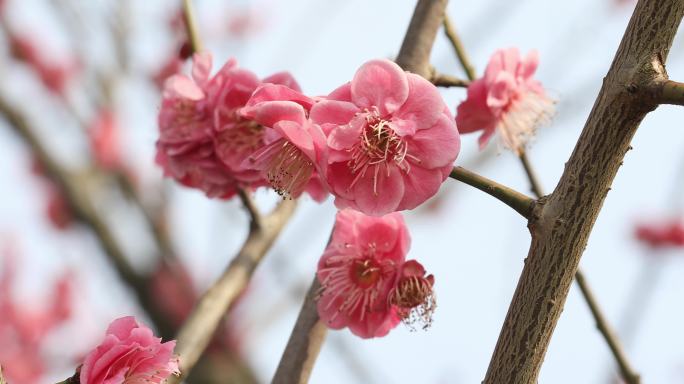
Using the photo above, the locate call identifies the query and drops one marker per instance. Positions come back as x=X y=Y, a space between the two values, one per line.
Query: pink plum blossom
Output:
x=359 y=269
x=25 y=325
x=392 y=139
x=507 y=99
x=661 y=234
x=294 y=155
x=129 y=354
x=185 y=148
x=105 y=140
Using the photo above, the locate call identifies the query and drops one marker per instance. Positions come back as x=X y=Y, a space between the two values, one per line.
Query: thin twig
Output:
x=628 y=374
x=522 y=204
x=455 y=40
x=304 y=344
x=254 y=214
x=442 y=80
x=535 y=185
x=191 y=26
x=199 y=328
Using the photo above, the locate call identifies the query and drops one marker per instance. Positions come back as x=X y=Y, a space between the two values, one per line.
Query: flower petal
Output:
x=382 y=84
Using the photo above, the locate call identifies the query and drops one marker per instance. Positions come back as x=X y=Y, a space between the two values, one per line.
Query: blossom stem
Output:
x=522 y=204
x=304 y=344
x=442 y=80
x=191 y=26
x=535 y=185
x=2 y=378
x=456 y=43
x=199 y=328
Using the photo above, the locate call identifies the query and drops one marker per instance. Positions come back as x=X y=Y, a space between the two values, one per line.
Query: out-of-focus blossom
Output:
x=54 y=75
x=359 y=269
x=185 y=148
x=244 y=23
x=661 y=234
x=130 y=353
x=173 y=288
x=25 y=325
x=293 y=157
x=105 y=140
x=392 y=139
x=507 y=99
x=57 y=210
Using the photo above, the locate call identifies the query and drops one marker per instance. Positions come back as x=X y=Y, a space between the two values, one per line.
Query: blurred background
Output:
x=79 y=93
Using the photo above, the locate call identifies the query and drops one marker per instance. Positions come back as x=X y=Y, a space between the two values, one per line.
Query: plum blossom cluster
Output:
x=383 y=142
x=366 y=282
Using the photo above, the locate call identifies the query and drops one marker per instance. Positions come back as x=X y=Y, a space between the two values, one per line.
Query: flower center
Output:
x=415 y=300
x=356 y=281
x=378 y=145
x=365 y=273
x=245 y=137
x=288 y=169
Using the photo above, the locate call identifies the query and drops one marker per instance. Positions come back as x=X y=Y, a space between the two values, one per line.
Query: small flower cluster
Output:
x=383 y=142
x=366 y=282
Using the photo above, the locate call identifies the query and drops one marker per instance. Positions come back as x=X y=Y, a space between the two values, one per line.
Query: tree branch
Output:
x=520 y=203
x=304 y=344
x=442 y=80
x=256 y=221
x=455 y=40
x=628 y=373
x=196 y=333
x=668 y=92
x=626 y=370
x=563 y=221
x=414 y=55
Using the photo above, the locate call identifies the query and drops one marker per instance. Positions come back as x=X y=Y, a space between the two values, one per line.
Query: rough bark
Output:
x=563 y=221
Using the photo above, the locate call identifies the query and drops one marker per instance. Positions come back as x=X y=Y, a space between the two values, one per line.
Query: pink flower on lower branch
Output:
x=392 y=139
x=507 y=99
x=129 y=354
x=366 y=284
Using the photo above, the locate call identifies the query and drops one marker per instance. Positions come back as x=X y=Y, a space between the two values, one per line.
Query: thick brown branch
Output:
x=196 y=333
x=563 y=221
x=304 y=344
x=514 y=199
x=628 y=373
x=414 y=55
